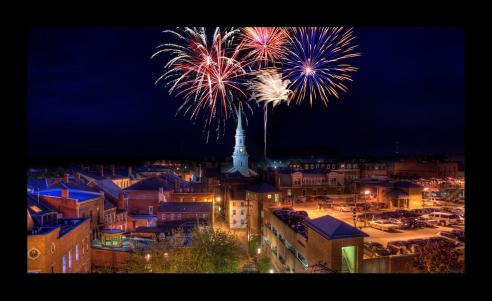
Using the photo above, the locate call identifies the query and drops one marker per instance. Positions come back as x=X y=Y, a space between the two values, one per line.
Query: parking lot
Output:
x=375 y=235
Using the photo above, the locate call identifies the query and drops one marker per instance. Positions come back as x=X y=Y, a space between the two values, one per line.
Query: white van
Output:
x=443 y=218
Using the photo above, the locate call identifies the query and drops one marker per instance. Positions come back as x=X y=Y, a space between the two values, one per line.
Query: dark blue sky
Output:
x=91 y=92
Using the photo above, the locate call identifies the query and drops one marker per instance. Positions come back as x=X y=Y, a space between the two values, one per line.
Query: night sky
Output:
x=91 y=92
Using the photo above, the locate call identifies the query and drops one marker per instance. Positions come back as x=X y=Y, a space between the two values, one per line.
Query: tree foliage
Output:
x=208 y=251
x=438 y=257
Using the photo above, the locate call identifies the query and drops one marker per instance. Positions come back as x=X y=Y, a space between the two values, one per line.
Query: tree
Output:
x=207 y=251
x=264 y=264
x=438 y=257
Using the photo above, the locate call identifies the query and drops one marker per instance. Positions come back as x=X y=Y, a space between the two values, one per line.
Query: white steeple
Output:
x=240 y=155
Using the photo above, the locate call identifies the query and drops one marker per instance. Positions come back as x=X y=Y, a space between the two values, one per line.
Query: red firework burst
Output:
x=264 y=44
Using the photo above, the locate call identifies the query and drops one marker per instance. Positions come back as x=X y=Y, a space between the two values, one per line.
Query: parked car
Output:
x=383 y=225
x=443 y=218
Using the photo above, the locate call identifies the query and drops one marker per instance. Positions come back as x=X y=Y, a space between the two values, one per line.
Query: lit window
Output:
x=77 y=252
x=204 y=215
x=269 y=196
x=242 y=222
x=179 y=216
x=242 y=212
x=70 y=259
x=64 y=265
x=234 y=212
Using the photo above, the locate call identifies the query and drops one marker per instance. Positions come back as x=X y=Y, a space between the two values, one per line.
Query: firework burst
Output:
x=264 y=44
x=269 y=88
x=315 y=62
x=206 y=73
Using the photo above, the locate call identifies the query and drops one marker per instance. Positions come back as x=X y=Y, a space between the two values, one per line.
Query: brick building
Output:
x=413 y=168
x=145 y=196
x=56 y=245
x=400 y=194
x=296 y=244
x=258 y=198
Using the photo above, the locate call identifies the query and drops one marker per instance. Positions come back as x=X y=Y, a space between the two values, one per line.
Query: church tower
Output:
x=240 y=155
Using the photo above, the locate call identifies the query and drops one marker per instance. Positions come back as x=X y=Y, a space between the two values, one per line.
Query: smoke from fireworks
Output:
x=315 y=62
x=264 y=44
x=206 y=73
x=269 y=87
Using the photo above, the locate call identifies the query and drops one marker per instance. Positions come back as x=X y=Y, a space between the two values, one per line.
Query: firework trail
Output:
x=264 y=44
x=206 y=72
x=269 y=87
x=315 y=61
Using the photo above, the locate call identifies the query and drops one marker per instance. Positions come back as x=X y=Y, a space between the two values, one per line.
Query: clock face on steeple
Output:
x=241 y=150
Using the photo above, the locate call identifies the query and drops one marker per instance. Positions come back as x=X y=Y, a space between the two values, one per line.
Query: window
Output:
x=179 y=216
x=269 y=196
x=233 y=221
x=204 y=215
x=87 y=245
x=70 y=259
x=242 y=222
x=242 y=204
x=151 y=210
x=242 y=212
x=77 y=252
x=172 y=216
x=233 y=211
x=64 y=264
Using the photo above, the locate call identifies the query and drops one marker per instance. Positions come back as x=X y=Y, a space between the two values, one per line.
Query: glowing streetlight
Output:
x=259 y=250
x=367 y=192
x=218 y=199
x=147 y=257
x=271 y=271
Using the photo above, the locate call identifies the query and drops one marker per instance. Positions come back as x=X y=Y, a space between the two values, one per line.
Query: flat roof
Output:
x=78 y=195
x=333 y=228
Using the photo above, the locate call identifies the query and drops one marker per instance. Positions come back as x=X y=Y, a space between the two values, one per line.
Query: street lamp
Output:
x=259 y=250
x=147 y=257
x=271 y=271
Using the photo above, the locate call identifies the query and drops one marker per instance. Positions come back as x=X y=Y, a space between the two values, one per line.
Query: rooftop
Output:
x=78 y=195
x=109 y=187
x=185 y=207
x=333 y=228
x=262 y=188
x=169 y=182
x=108 y=205
x=66 y=225
x=142 y=216
x=35 y=207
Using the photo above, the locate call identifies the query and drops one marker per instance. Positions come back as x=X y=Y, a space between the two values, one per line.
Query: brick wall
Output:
x=79 y=236
x=109 y=258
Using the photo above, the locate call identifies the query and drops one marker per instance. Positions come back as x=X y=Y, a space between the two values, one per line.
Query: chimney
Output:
x=113 y=170
x=64 y=192
x=121 y=201
x=65 y=178
x=77 y=176
x=129 y=171
x=101 y=170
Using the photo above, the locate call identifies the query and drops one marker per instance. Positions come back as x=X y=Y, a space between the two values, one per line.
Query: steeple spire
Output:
x=239 y=118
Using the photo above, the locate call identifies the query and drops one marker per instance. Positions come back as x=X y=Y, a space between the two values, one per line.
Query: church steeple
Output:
x=240 y=155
